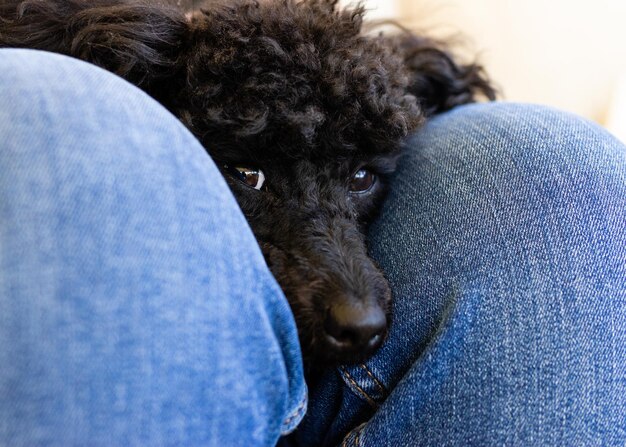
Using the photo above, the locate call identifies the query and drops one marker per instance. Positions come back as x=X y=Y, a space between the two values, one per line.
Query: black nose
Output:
x=355 y=328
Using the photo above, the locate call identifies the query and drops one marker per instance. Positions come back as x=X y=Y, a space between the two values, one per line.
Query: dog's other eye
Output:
x=362 y=181
x=254 y=178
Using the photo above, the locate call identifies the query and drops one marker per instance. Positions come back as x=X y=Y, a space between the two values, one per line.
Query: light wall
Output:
x=567 y=53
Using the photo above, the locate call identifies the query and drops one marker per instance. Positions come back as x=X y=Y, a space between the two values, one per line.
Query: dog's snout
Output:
x=352 y=328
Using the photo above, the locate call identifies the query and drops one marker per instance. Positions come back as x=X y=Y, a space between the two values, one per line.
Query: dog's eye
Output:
x=362 y=181
x=254 y=178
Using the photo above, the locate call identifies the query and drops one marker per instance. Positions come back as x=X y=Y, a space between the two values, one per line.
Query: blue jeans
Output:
x=136 y=308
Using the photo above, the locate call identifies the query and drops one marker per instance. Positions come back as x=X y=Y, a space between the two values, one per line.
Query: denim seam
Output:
x=357 y=439
x=379 y=385
x=297 y=413
x=358 y=389
x=353 y=438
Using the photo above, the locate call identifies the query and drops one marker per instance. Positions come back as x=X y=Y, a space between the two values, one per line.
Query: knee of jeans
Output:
x=25 y=70
x=504 y=145
x=520 y=138
x=50 y=102
x=62 y=89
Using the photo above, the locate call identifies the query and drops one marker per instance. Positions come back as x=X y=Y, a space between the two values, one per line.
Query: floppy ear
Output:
x=437 y=80
x=138 y=40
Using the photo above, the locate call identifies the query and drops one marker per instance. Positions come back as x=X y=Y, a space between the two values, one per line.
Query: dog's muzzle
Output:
x=354 y=329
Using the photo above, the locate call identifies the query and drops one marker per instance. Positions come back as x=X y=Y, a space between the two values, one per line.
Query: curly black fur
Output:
x=294 y=88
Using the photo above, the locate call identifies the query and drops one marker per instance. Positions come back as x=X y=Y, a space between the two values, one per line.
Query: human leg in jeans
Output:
x=504 y=239
x=135 y=305
x=135 y=308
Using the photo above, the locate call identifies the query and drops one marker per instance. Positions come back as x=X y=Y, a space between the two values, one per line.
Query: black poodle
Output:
x=303 y=111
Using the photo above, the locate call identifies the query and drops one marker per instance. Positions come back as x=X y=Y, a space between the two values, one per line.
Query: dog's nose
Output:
x=355 y=327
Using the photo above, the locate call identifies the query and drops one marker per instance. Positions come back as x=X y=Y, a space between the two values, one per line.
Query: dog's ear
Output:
x=138 y=40
x=437 y=80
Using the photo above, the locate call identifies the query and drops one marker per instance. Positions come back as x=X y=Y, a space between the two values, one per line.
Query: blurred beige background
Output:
x=566 y=53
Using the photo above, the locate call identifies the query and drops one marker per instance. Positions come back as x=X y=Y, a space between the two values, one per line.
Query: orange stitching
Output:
x=357 y=440
x=380 y=386
x=297 y=412
x=369 y=400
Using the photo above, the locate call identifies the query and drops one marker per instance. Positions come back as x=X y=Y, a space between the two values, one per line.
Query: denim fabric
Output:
x=136 y=309
x=135 y=305
x=504 y=239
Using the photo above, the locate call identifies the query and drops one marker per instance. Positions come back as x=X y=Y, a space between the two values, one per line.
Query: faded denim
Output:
x=136 y=308
x=135 y=305
x=504 y=239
